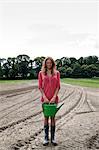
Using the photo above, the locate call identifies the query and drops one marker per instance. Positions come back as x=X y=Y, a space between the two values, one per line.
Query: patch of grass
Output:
x=14 y=81
x=94 y=82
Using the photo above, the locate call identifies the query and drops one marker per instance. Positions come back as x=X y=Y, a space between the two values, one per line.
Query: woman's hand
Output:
x=53 y=99
x=45 y=99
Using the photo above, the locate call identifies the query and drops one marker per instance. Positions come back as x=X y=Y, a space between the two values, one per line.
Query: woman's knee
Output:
x=46 y=120
x=53 y=120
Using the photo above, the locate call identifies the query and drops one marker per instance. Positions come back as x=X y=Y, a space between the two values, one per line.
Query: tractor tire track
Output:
x=17 y=102
x=29 y=117
x=18 y=105
x=6 y=92
x=34 y=136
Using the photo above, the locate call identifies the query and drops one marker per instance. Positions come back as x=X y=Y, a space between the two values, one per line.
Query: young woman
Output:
x=49 y=85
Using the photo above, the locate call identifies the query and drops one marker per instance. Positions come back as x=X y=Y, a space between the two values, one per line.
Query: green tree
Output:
x=69 y=72
x=1 y=68
x=65 y=61
x=90 y=60
x=73 y=60
x=36 y=66
x=76 y=70
x=89 y=70
x=23 y=68
x=58 y=63
x=81 y=61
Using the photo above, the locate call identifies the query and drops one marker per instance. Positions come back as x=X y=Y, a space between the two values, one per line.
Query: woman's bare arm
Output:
x=55 y=94
x=43 y=95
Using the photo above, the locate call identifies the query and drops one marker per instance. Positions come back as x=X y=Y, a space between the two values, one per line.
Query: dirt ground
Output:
x=21 y=118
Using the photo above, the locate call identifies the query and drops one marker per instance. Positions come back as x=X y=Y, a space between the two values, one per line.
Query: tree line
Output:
x=22 y=67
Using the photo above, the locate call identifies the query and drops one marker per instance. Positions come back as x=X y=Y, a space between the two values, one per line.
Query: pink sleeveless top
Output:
x=49 y=84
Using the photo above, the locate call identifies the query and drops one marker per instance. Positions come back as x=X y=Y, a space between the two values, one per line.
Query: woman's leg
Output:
x=46 y=130
x=46 y=120
x=53 y=131
x=53 y=121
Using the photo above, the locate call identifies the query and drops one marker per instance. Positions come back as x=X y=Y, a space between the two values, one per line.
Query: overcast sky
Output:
x=49 y=28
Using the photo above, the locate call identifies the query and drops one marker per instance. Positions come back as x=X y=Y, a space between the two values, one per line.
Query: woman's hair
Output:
x=44 y=67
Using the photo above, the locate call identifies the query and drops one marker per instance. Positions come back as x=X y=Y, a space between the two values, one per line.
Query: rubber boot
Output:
x=46 y=138
x=53 y=136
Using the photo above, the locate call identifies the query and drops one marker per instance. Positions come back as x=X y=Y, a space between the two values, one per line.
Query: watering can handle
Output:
x=51 y=103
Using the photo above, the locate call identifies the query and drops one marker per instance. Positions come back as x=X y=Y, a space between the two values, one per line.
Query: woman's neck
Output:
x=49 y=71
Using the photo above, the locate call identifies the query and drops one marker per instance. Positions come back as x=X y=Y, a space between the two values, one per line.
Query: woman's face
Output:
x=49 y=64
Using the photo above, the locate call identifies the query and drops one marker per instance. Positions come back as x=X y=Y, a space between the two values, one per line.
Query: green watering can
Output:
x=50 y=109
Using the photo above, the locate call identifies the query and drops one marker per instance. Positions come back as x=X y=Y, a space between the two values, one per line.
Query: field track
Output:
x=21 y=118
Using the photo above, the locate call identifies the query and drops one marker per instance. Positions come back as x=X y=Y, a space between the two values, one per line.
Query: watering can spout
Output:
x=59 y=107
